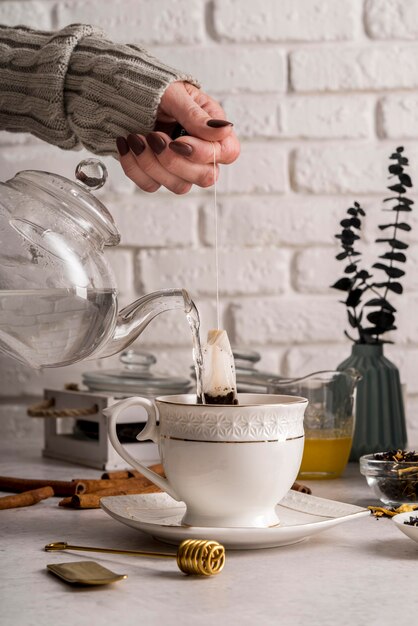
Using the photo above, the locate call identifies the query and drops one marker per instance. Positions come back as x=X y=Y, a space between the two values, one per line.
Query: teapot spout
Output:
x=135 y=317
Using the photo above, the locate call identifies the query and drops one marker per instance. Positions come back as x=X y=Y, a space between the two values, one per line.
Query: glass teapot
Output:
x=58 y=297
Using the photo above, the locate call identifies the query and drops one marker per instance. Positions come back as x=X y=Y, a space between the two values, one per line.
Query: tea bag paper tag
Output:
x=219 y=378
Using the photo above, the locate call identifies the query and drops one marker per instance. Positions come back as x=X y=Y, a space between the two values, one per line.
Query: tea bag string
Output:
x=215 y=210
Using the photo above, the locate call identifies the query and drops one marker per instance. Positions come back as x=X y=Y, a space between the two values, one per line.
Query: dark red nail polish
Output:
x=136 y=144
x=122 y=146
x=184 y=149
x=218 y=123
x=156 y=143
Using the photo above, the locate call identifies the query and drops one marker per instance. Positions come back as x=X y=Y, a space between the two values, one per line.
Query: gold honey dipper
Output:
x=194 y=556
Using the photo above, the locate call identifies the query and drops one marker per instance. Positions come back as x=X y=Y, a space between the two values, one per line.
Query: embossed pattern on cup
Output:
x=227 y=423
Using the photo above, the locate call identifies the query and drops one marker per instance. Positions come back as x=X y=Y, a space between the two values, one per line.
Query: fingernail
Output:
x=122 y=146
x=156 y=142
x=179 y=147
x=136 y=144
x=218 y=123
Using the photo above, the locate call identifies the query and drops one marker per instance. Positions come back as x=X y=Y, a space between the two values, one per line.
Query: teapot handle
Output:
x=151 y=431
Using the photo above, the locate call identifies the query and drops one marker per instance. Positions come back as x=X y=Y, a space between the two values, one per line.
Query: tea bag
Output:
x=219 y=384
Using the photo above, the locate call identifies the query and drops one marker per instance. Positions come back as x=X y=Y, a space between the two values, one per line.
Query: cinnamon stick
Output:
x=121 y=475
x=17 y=485
x=66 y=502
x=90 y=486
x=26 y=498
x=92 y=500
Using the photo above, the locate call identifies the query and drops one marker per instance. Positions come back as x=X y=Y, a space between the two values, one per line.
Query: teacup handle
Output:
x=150 y=431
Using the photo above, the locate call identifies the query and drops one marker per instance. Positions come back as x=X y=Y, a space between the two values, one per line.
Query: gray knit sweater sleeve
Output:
x=75 y=88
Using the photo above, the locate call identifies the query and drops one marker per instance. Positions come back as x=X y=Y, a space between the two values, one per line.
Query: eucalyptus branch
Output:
x=357 y=283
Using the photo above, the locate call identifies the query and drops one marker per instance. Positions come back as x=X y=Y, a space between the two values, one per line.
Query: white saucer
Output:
x=301 y=516
x=409 y=531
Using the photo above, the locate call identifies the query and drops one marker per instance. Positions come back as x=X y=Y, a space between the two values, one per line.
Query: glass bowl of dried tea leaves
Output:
x=408 y=524
x=393 y=476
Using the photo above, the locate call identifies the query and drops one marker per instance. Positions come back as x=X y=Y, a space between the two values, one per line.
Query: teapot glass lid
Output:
x=73 y=198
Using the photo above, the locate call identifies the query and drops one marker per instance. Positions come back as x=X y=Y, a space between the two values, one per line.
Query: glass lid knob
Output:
x=91 y=174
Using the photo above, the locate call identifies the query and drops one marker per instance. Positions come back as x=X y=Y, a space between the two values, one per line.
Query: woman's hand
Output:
x=155 y=160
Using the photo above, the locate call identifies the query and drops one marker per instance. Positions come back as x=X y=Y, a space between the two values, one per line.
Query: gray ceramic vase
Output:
x=380 y=416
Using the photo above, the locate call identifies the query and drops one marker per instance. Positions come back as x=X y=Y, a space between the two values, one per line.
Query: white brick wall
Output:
x=320 y=92
x=181 y=21
x=287 y=20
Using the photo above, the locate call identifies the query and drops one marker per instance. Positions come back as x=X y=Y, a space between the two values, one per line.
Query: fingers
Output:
x=131 y=169
x=200 y=151
x=149 y=164
x=143 y=168
x=197 y=112
x=201 y=174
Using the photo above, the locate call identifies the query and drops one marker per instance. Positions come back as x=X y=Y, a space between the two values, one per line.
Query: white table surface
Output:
x=361 y=572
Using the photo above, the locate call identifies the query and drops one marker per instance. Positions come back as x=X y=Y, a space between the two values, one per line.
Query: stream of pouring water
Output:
x=194 y=323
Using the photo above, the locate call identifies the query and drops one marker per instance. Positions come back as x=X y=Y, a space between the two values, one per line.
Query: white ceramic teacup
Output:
x=230 y=464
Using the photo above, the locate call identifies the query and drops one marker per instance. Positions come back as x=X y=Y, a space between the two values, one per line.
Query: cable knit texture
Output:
x=75 y=88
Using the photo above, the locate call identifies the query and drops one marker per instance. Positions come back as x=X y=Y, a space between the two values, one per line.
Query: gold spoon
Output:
x=194 y=556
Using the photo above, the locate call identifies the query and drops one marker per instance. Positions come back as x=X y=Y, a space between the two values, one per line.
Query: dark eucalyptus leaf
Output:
x=354 y=298
x=399 y=245
x=381 y=266
x=401 y=226
x=392 y=272
x=405 y=180
x=401 y=207
x=395 y=169
x=383 y=319
x=355 y=222
x=363 y=275
x=400 y=149
x=382 y=302
x=343 y=284
x=341 y=256
x=352 y=212
x=346 y=223
x=348 y=237
x=394 y=256
x=395 y=272
x=350 y=268
x=394 y=243
x=398 y=188
x=405 y=201
x=395 y=287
